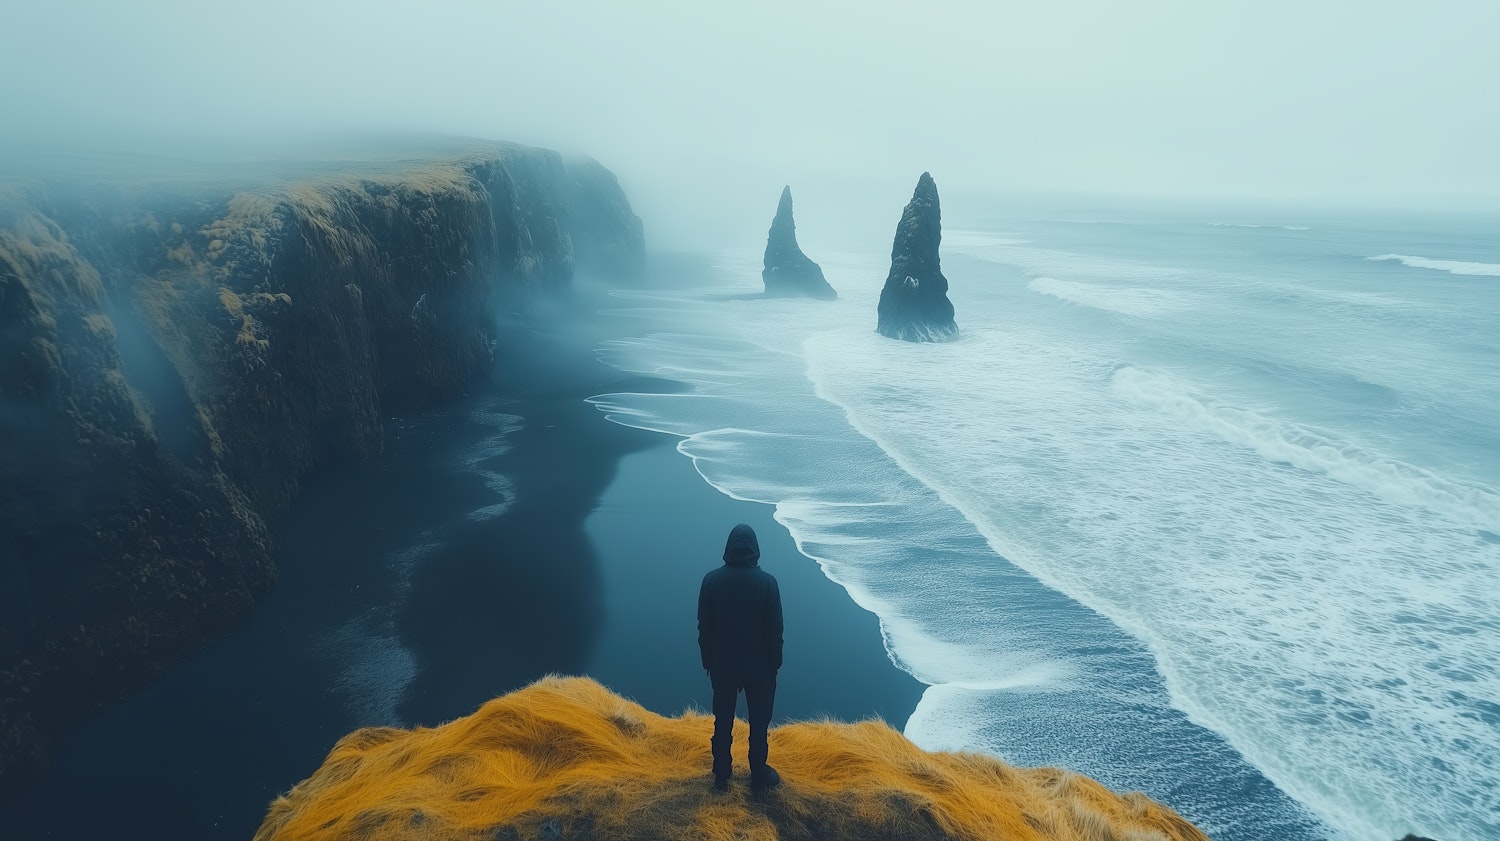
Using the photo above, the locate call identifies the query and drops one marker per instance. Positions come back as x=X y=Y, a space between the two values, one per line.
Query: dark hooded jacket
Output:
x=739 y=615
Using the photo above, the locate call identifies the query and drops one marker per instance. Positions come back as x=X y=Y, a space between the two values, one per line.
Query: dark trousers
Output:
x=760 y=696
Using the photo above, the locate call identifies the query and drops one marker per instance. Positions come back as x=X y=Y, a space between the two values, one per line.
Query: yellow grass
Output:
x=37 y=253
x=565 y=758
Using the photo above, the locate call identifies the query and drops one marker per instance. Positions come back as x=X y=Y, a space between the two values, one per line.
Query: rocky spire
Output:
x=914 y=303
x=788 y=272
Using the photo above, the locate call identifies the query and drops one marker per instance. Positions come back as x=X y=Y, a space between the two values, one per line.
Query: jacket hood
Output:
x=742 y=549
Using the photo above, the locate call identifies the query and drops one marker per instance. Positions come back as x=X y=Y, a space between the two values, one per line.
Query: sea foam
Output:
x=1459 y=267
x=1136 y=301
x=375 y=666
x=1044 y=681
x=1325 y=606
x=1403 y=484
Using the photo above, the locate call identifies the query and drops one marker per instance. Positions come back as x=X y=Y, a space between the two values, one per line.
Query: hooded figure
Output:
x=739 y=636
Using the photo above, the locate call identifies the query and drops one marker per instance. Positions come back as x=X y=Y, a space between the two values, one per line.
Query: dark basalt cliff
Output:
x=914 y=303
x=788 y=273
x=176 y=358
x=607 y=235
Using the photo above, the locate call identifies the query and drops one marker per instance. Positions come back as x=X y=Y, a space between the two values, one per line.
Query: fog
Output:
x=706 y=109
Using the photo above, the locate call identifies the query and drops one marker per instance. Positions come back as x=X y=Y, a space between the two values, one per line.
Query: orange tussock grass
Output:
x=566 y=758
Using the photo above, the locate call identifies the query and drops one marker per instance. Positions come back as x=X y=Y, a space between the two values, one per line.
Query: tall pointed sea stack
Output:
x=788 y=272
x=914 y=304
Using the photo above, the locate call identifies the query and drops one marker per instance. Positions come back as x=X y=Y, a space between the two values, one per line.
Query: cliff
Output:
x=789 y=273
x=607 y=235
x=178 y=354
x=566 y=759
x=914 y=303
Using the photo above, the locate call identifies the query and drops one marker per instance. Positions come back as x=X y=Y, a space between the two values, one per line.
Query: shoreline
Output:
x=836 y=662
x=1025 y=673
x=476 y=555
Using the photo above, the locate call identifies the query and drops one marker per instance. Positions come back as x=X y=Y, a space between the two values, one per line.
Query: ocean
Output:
x=1201 y=504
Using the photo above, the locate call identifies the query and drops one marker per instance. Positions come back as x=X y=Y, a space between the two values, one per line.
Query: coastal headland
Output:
x=184 y=346
x=566 y=758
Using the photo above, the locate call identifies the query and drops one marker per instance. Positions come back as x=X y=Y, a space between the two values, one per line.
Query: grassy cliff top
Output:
x=226 y=165
x=565 y=758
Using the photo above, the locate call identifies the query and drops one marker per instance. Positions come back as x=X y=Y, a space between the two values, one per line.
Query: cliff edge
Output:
x=566 y=759
x=179 y=351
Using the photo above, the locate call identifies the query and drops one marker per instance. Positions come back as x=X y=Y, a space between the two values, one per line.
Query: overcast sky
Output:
x=1321 y=98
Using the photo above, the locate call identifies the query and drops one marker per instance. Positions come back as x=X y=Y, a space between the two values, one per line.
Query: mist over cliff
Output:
x=181 y=345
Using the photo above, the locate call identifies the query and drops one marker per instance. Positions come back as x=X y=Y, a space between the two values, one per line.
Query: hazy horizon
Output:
x=700 y=110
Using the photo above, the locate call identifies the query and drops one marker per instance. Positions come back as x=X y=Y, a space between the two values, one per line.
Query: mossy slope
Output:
x=565 y=758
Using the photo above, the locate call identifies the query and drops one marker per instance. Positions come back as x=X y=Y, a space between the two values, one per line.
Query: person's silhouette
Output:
x=739 y=636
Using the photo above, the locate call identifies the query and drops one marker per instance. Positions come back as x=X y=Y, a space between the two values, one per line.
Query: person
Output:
x=739 y=636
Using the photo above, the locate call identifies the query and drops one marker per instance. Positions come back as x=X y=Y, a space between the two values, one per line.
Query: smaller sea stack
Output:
x=914 y=305
x=788 y=272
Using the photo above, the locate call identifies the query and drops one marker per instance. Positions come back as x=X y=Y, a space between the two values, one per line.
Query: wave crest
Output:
x=1136 y=301
x=1393 y=481
x=1459 y=267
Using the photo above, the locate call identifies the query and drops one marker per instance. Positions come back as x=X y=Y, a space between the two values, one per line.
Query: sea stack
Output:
x=914 y=304
x=788 y=272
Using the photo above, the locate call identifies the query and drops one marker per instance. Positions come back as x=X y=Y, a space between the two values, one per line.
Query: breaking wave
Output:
x=1135 y=301
x=1459 y=267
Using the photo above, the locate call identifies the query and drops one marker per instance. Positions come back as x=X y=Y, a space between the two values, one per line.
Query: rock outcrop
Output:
x=788 y=273
x=174 y=361
x=565 y=758
x=914 y=303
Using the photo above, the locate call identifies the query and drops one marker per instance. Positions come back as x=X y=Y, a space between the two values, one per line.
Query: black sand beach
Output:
x=504 y=536
x=835 y=665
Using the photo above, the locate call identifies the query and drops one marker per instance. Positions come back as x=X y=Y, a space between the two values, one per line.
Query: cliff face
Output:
x=565 y=758
x=914 y=303
x=174 y=361
x=607 y=237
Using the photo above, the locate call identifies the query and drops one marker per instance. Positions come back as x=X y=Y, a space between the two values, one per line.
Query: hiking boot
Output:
x=721 y=784
x=764 y=778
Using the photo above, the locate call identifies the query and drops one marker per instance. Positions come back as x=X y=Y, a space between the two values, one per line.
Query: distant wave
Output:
x=1039 y=261
x=1451 y=266
x=1393 y=481
x=980 y=239
x=1137 y=301
x=1240 y=225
